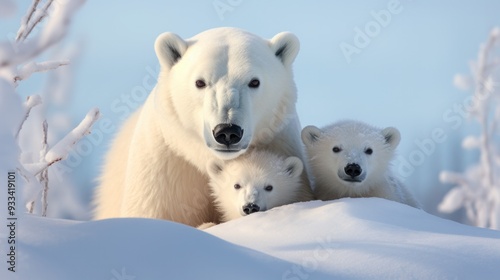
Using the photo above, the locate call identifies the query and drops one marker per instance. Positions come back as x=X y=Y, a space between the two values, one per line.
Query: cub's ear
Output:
x=293 y=166
x=392 y=136
x=169 y=48
x=215 y=167
x=310 y=135
x=285 y=46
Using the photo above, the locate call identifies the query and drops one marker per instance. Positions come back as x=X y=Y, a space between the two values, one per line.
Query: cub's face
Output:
x=224 y=84
x=350 y=154
x=243 y=186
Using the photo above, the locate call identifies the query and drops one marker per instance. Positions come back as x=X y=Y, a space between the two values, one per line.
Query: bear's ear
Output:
x=392 y=136
x=215 y=167
x=169 y=48
x=310 y=135
x=293 y=166
x=285 y=46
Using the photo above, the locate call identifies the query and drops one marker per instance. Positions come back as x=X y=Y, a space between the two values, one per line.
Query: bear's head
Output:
x=257 y=181
x=350 y=156
x=227 y=86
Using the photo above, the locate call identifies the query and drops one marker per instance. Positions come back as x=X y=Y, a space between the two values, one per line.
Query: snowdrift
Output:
x=366 y=238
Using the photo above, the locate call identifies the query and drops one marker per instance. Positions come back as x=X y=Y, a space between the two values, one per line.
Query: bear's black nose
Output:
x=353 y=170
x=250 y=208
x=227 y=133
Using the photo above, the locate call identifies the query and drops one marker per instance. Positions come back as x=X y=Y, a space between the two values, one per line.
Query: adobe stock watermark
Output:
x=364 y=35
x=222 y=7
x=122 y=275
x=309 y=264
x=453 y=118
x=127 y=103
x=123 y=107
x=281 y=117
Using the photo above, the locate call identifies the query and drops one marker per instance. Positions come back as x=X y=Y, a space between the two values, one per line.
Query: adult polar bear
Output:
x=218 y=94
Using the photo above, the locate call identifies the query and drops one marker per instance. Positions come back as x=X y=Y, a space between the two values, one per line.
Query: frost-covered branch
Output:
x=478 y=188
x=22 y=51
x=44 y=175
x=34 y=18
x=60 y=150
x=32 y=67
x=17 y=63
x=26 y=20
x=31 y=102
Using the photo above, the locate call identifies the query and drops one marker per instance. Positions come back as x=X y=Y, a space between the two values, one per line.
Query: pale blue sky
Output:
x=402 y=77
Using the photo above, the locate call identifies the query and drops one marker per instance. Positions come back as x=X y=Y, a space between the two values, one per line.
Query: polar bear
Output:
x=256 y=181
x=218 y=94
x=352 y=159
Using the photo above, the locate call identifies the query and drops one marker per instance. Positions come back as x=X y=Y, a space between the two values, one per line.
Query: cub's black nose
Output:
x=250 y=208
x=227 y=133
x=353 y=170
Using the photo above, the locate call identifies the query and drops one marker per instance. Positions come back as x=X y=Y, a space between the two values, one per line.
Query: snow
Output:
x=348 y=238
x=361 y=238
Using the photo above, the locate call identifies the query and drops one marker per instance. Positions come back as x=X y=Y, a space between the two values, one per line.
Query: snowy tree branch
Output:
x=31 y=102
x=44 y=175
x=17 y=64
x=54 y=30
x=32 y=67
x=37 y=16
x=478 y=187
x=26 y=19
x=60 y=150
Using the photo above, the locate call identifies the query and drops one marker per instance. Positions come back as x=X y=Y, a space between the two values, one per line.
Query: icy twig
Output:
x=26 y=19
x=37 y=16
x=44 y=176
x=471 y=142
x=44 y=180
x=28 y=69
x=452 y=178
x=60 y=150
x=51 y=33
x=31 y=206
x=31 y=102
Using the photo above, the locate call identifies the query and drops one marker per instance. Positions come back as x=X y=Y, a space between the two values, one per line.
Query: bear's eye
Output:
x=336 y=149
x=268 y=188
x=369 y=151
x=237 y=186
x=254 y=83
x=200 y=84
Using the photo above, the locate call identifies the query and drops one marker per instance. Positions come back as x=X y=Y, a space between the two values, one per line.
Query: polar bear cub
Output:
x=352 y=159
x=257 y=181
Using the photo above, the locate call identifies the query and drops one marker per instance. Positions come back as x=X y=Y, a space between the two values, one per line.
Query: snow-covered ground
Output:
x=364 y=238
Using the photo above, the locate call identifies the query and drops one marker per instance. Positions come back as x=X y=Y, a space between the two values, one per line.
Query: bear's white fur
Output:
x=352 y=159
x=223 y=78
x=256 y=181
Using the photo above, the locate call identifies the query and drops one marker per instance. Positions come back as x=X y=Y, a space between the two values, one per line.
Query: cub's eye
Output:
x=336 y=149
x=268 y=188
x=237 y=186
x=200 y=84
x=369 y=151
x=254 y=83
